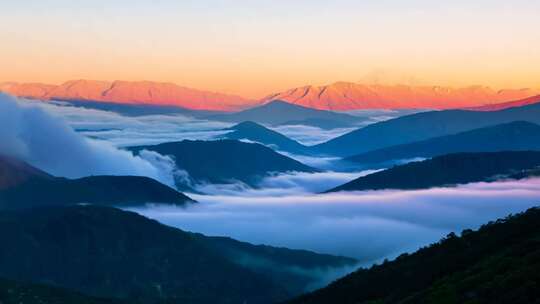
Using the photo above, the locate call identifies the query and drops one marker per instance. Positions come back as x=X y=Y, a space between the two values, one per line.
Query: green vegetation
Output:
x=106 y=252
x=23 y=293
x=499 y=263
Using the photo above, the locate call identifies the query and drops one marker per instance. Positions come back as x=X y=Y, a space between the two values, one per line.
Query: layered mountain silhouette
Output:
x=23 y=186
x=422 y=126
x=343 y=96
x=129 y=92
x=255 y=132
x=105 y=252
x=514 y=136
x=225 y=161
x=277 y=112
x=510 y=104
x=496 y=264
x=445 y=170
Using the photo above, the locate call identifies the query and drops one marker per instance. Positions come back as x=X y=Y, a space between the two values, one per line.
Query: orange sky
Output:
x=254 y=48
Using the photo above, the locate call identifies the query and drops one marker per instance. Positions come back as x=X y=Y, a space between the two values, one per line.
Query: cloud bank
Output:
x=30 y=133
x=125 y=131
x=370 y=225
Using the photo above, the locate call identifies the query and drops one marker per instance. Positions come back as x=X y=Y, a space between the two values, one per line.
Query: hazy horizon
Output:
x=256 y=48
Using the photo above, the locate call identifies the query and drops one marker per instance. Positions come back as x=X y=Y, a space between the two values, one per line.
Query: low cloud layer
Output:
x=283 y=184
x=370 y=225
x=130 y=131
x=309 y=135
x=31 y=133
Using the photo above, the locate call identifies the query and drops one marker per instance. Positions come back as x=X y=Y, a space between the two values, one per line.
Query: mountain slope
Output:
x=451 y=169
x=255 y=132
x=106 y=252
x=343 y=96
x=496 y=264
x=225 y=161
x=514 y=136
x=422 y=126
x=129 y=92
x=14 y=172
x=277 y=112
x=12 y=292
x=510 y=104
x=29 y=187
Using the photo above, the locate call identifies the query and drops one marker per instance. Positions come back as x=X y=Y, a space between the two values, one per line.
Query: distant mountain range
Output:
x=445 y=170
x=23 y=186
x=422 y=126
x=496 y=264
x=106 y=252
x=339 y=96
x=225 y=161
x=129 y=92
x=343 y=96
x=508 y=105
x=514 y=136
x=255 y=132
x=278 y=112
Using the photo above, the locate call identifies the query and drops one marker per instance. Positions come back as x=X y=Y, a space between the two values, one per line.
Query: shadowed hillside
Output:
x=278 y=112
x=106 y=252
x=514 y=136
x=255 y=132
x=225 y=161
x=422 y=126
x=23 y=186
x=497 y=264
x=451 y=169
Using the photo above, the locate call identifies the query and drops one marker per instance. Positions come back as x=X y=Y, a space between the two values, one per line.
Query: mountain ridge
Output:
x=129 y=92
x=23 y=186
x=343 y=96
x=338 y=96
x=421 y=126
x=448 y=170
x=514 y=136
x=509 y=104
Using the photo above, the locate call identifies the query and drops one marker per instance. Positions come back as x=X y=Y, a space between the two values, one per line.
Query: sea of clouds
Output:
x=370 y=225
x=284 y=210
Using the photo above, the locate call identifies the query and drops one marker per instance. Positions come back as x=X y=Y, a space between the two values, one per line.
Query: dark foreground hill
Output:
x=255 y=132
x=23 y=186
x=514 y=136
x=497 y=264
x=451 y=169
x=12 y=292
x=225 y=161
x=106 y=252
x=422 y=126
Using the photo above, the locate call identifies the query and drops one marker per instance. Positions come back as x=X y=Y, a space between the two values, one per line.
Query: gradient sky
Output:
x=254 y=48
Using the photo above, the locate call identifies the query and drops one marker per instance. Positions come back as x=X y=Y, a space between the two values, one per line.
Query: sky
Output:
x=254 y=48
